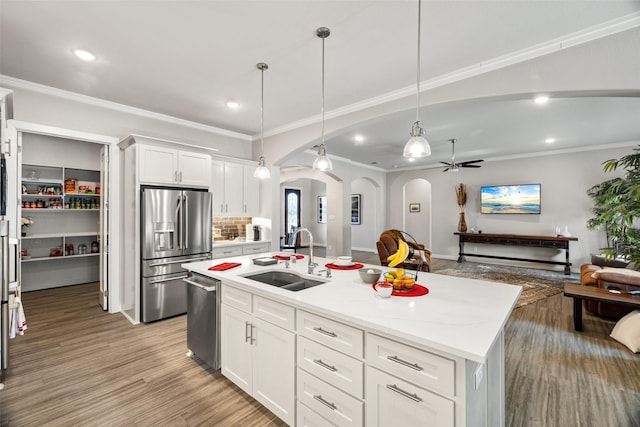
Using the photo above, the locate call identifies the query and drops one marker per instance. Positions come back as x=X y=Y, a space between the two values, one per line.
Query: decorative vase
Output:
x=462 y=225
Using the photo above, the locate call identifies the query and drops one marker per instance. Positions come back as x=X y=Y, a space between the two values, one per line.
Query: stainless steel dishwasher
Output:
x=203 y=318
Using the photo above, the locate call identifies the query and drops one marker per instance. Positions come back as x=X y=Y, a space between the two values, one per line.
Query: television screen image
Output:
x=510 y=199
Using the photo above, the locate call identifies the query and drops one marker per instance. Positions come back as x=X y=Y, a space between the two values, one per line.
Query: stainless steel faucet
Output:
x=311 y=264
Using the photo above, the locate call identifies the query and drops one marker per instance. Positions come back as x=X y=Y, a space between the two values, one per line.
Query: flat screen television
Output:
x=510 y=199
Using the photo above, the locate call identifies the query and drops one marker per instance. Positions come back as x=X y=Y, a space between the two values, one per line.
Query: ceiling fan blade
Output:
x=462 y=165
x=471 y=161
x=446 y=169
x=445 y=163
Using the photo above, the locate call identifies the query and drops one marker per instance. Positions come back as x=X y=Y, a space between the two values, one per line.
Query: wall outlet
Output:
x=478 y=376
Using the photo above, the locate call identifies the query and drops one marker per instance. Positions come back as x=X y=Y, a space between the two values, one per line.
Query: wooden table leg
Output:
x=577 y=314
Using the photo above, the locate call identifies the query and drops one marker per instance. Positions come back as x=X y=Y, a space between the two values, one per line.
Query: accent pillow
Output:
x=627 y=331
x=612 y=273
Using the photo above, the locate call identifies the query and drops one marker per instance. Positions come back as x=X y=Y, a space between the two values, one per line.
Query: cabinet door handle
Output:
x=155 y=282
x=330 y=405
x=180 y=176
x=406 y=394
x=245 y=208
x=328 y=333
x=222 y=207
x=405 y=363
x=324 y=365
x=247 y=331
x=226 y=207
x=175 y=176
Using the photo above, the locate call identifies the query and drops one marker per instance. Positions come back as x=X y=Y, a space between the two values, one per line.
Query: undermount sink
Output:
x=284 y=280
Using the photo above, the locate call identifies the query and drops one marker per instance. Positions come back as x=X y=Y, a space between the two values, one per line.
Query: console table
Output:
x=551 y=242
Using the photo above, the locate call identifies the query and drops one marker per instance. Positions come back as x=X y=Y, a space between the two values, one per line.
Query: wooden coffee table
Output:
x=580 y=292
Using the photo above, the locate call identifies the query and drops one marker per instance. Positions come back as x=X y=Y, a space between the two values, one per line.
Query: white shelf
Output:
x=53 y=258
x=42 y=181
x=55 y=235
x=26 y=210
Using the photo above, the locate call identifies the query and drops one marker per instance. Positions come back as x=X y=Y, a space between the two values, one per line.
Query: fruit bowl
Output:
x=401 y=281
x=369 y=275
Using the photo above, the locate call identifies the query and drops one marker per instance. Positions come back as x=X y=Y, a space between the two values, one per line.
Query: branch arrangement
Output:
x=461 y=196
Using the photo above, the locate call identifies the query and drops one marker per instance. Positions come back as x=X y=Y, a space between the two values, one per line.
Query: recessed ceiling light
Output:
x=234 y=105
x=550 y=140
x=84 y=54
x=358 y=138
x=542 y=99
x=412 y=159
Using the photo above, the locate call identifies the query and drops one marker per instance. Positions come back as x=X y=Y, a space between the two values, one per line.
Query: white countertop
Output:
x=459 y=316
x=236 y=242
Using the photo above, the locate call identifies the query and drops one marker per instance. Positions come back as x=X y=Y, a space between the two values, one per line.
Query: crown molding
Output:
x=89 y=100
x=577 y=38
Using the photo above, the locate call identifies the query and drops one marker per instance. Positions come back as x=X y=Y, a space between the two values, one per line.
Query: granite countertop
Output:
x=459 y=316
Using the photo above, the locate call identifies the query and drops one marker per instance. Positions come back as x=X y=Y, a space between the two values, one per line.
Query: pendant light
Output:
x=322 y=162
x=262 y=171
x=417 y=146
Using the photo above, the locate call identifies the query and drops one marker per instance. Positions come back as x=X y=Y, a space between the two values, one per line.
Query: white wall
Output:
x=565 y=178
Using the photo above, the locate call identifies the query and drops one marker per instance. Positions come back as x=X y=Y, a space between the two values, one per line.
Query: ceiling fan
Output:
x=453 y=166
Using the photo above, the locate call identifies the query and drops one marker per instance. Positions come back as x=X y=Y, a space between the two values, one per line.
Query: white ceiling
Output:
x=186 y=58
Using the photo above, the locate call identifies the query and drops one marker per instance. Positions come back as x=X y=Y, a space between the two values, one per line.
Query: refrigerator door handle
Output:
x=185 y=204
x=179 y=220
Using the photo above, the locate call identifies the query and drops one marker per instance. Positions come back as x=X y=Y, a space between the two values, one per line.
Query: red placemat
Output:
x=224 y=266
x=418 y=290
x=287 y=258
x=355 y=266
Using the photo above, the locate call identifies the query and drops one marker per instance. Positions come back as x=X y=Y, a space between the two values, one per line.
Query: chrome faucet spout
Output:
x=311 y=265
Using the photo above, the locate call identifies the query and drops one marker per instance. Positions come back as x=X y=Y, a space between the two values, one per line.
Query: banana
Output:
x=394 y=259
x=400 y=255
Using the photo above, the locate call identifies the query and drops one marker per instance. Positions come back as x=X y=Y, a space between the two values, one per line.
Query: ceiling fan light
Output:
x=322 y=161
x=262 y=171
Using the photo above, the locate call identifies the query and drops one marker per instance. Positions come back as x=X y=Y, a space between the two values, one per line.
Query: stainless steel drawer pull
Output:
x=324 y=365
x=324 y=402
x=322 y=331
x=153 y=282
x=247 y=333
x=406 y=394
x=405 y=363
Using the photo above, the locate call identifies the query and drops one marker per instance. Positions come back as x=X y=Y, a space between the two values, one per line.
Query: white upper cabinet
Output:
x=235 y=191
x=160 y=165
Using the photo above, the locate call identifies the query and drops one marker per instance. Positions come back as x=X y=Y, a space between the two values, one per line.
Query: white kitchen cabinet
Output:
x=168 y=166
x=395 y=402
x=255 y=248
x=226 y=251
x=256 y=354
x=235 y=191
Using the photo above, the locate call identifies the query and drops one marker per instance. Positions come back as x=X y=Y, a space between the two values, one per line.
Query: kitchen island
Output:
x=339 y=353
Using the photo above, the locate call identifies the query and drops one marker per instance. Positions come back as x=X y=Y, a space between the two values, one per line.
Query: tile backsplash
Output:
x=230 y=227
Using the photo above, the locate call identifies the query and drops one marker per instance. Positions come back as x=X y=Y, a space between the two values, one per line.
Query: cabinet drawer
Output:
x=226 y=251
x=334 y=405
x=394 y=402
x=236 y=298
x=334 y=367
x=305 y=417
x=274 y=312
x=333 y=334
x=255 y=249
x=420 y=367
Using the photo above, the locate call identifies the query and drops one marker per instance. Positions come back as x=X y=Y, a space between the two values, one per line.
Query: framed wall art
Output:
x=355 y=209
x=322 y=209
x=414 y=207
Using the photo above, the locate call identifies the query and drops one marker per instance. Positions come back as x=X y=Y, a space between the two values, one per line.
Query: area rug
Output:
x=536 y=284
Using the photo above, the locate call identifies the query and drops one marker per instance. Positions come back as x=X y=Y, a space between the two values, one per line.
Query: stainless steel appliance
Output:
x=253 y=232
x=203 y=318
x=176 y=229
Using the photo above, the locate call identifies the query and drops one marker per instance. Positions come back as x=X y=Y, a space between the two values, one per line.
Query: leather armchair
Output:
x=625 y=279
x=387 y=245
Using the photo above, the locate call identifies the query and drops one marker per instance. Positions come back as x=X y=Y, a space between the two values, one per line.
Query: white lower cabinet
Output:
x=395 y=402
x=256 y=355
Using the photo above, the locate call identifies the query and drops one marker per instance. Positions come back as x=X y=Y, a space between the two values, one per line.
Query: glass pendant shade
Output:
x=417 y=146
x=261 y=172
x=322 y=162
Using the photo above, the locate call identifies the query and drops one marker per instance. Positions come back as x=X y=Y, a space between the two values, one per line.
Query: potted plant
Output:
x=617 y=208
x=25 y=222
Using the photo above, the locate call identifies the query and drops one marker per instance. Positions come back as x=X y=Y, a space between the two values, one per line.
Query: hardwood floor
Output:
x=77 y=365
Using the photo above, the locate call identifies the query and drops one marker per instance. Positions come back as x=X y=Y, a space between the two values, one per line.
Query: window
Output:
x=291 y=209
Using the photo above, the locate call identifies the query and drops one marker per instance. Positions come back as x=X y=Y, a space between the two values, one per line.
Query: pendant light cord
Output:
x=418 y=65
x=323 y=90
x=262 y=111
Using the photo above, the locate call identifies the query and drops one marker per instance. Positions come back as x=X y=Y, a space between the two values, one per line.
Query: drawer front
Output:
x=394 y=402
x=333 y=367
x=226 y=251
x=274 y=312
x=236 y=298
x=423 y=368
x=255 y=249
x=329 y=402
x=333 y=334
x=305 y=417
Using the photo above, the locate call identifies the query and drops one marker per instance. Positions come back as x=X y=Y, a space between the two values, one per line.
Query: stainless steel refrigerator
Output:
x=176 y=229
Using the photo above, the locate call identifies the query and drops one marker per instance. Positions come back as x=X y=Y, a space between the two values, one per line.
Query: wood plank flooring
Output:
x=77 y=365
